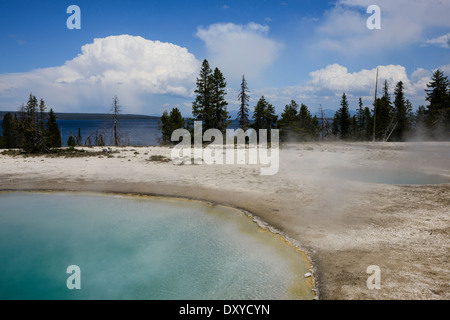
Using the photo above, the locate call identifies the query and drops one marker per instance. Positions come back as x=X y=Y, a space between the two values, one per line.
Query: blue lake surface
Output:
x=137 y=132
x=140 y=248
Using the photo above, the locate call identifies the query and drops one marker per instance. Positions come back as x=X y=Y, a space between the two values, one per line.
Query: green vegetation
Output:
x=169 y=123
x=33 y=131
x=387 y=121
x=437 y=114
x=158 y=158
x=210 y=105
x=244 y=98
x=60 y=152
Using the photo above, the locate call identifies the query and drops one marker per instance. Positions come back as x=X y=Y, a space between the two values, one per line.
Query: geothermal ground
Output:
x=347 y=205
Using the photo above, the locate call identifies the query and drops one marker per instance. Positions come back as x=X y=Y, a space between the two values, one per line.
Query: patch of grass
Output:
x=158 y=158
x=61 y=152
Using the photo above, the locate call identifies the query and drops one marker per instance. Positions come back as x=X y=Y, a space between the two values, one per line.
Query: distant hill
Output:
x=88 y=116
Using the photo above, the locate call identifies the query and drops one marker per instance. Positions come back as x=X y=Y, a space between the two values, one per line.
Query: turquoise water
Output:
x=390 y=176
x=140 y=248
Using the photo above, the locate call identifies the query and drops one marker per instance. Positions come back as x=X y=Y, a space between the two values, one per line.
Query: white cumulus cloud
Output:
x=131 y=67
x=337 y=78
x=325 y=86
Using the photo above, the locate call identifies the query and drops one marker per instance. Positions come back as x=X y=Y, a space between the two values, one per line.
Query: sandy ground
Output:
x=343 y=224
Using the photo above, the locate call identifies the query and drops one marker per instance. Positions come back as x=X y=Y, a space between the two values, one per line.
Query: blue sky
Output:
x=149 y=52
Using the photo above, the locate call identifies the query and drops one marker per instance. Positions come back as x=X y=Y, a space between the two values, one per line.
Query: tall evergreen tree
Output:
x=169 y=123
x=342 y=120
x=53 y=135
x=401 y=115
x=288 y=123
x=33 y=139
x=31 y=109
x=10 y=131
x=42 y=108
x=28 y=132
x=242 y=116
x=165 y=127
x=437 y=114
x=220 y=117
x=264 y=116
x=210 y=105
x=384 y=113
x=202 y=106
x=308 y=125
x=368 y=121
x=360 y=121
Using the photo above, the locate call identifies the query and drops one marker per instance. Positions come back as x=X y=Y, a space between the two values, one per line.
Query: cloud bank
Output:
x=131 y=67
x=325 y=86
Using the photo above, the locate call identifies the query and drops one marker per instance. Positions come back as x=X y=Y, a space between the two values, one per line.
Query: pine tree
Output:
x=360 y=121
x=383 y=113
x=264 y=116
x=437 y=114
x=165 y=127
x=218 y=103
x=42 y=108
x=202 y=106
x=28 y=132
x=10 y=131
x=169 y=123
x=288 y=124
x=402 y=111
x=342 y=120
x=307 y=125
x=368 y=121
x=242 y=116
x=31 y=112
x=53 y=136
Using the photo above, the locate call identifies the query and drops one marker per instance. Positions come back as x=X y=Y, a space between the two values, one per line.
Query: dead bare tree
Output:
x=390 y=129
x=375 y=109
x=115 y=112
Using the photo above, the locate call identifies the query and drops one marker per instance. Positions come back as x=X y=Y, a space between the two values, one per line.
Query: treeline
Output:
x=33 y=131
x=390 y=118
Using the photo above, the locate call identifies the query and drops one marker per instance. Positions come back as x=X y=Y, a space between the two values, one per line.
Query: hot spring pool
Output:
x=140 y=248
x=389 y=176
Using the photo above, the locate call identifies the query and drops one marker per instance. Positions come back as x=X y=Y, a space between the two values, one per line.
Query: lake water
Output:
x=138 y=132
x=140 y=248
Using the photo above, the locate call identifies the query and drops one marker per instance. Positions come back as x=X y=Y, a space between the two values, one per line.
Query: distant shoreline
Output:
x=88 y=116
